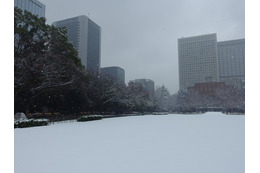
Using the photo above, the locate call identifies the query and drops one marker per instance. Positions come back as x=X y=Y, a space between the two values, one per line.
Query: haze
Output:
x=141 y=36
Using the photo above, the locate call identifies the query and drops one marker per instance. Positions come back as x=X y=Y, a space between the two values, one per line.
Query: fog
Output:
x=141 y=36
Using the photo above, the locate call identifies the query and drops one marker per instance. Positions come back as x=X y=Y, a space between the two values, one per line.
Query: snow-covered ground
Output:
x=206 y=143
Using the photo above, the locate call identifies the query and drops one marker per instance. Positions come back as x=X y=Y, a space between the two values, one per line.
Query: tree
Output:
x=139 y=99
x=44 y=60
x=162 y=98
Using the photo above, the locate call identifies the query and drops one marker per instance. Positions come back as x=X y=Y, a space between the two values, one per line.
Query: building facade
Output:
x=116 y=73
x=231 y=57
x=146 y=84
x=85 y=35
x=33 y=6
x=198 y=60
x=210 y=89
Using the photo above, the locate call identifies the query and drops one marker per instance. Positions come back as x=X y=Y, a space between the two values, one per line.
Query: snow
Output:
x=205 y=143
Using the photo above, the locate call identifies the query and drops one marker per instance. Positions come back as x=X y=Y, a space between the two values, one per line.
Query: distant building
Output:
x=146 y=84
x=231 y=57
x=85 y=35
x=198 y=61
x=33 y=6
x=116 y=73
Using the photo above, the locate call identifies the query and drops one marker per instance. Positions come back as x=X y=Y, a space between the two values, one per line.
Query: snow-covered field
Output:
x=206 y=143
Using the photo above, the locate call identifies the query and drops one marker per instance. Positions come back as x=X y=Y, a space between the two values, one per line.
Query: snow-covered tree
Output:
x=162 y=98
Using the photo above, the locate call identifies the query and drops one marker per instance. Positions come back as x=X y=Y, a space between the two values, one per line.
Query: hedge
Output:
x=31 y=123
x=89 y=118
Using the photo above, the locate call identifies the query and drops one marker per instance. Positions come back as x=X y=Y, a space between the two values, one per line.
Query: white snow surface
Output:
x=205 y=143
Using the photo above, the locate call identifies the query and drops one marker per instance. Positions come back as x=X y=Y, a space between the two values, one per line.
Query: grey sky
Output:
x=141 y=35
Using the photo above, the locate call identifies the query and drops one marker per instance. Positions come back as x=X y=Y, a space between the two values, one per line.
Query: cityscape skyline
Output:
x=141 y=37
x=203 y=60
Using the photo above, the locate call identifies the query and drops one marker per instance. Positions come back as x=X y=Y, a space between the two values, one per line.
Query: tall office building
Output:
x=85 y=35
x=146 y=84
x=33 y=6
x=198 y=60
x=231 y=56
x=116 y=73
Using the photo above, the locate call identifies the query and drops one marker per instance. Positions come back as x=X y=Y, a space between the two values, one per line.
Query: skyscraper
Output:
x=33 y=6
x=198 y=61
x=85 y=35
x=231 y=56
x=116 y=73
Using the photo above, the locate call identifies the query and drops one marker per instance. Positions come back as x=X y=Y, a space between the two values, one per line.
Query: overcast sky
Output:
x=140 y=36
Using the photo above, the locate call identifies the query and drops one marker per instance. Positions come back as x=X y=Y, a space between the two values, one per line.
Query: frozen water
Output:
x=206 y=143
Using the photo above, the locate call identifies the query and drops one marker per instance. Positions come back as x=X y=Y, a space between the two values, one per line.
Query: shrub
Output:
x=89 y=118
x=31 y=123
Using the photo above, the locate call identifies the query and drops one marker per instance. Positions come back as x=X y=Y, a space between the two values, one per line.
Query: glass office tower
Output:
x=231 y=56
x=85 y=35
x=33 y=6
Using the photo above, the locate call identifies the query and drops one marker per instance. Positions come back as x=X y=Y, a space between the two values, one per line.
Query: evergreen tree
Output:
x=44 y=60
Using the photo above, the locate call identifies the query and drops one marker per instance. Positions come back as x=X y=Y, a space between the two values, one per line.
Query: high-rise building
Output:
x=33 y=6
x=198 y=60
x=146 y=84
x=231 y=57
x=85 y=35
x=115 y=73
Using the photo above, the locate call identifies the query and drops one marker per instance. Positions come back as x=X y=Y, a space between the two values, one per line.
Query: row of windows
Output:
x=197 y=61
x=34 y=7
x=234 y=71
x=238 y=44
x=212 y=37
x=231 y=63
x=198 y=57
x=207 y=42
x=229 y=53
x=197 y=48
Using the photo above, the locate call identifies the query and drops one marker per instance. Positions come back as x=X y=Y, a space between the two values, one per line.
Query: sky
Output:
x=140 y=36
